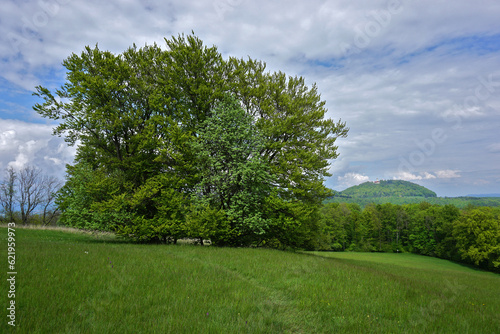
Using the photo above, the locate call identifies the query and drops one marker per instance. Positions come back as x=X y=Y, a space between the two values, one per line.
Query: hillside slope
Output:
x=389 y=188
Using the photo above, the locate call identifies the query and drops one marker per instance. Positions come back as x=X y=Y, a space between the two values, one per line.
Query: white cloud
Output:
x=428 y=176
x=7 y=138
x=352 y=179
x=441 y=174
x=448 y=174
x=494 y=148
x=23 y=143
x=406 y=176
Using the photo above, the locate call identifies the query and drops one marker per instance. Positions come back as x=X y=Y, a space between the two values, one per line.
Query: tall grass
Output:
x=78 y=283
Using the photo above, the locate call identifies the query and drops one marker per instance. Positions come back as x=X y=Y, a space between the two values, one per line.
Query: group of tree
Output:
x=470 y=235
x=180 y=142
x=27 y=196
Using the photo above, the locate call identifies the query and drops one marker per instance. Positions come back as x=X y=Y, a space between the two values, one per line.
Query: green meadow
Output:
x=72 y=282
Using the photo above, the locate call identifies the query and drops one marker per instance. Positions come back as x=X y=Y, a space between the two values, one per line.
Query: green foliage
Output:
x=205 y=222
x=157 y=209
x=234 y=177
x=389 y=188
x=80 y=198
x=477 y=233
x=109 y=105
x=300 y=139
x=470 y=235
x=293 y=224
x=160 y=136
x=336 y=224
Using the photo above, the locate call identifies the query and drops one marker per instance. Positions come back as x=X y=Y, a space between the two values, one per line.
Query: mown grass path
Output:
x=76 y=283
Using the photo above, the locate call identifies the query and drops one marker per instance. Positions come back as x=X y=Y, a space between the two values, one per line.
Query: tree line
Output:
x=470 y=235
x=28 y=196
x=459 y=202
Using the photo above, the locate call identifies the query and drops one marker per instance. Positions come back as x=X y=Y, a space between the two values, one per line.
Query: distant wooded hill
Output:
x=403 y=192
x=389 y=188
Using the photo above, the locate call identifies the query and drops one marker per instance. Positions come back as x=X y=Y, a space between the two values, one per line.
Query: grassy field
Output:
x=79 y=283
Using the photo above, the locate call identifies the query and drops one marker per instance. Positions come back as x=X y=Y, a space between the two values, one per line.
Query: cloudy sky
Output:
x=418 y=82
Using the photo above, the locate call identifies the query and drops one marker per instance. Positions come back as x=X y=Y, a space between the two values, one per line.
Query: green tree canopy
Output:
x=234 y=176
x=145 y=117
x=477 y=233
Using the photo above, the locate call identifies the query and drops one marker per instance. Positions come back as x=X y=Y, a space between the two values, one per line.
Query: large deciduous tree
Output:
x=140 y=119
